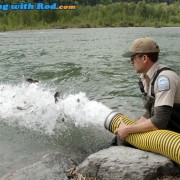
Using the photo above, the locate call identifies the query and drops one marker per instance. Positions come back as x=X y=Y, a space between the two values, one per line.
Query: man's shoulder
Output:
x=166 y=79
x=166 y=71
x=170 y=74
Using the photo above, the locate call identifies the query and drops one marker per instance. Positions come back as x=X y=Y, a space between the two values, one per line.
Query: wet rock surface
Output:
x=51 y=167
x=114 y=163
x=122 y=162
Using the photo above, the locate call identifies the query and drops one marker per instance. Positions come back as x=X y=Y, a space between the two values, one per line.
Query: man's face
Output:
x=137 y=62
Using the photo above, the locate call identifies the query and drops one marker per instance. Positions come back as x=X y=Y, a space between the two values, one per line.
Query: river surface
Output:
x=86 y=66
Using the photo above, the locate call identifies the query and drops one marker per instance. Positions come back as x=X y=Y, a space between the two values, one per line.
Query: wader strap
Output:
x=141 y=86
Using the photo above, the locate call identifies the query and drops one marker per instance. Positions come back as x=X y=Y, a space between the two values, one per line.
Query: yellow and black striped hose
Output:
x=162 y=142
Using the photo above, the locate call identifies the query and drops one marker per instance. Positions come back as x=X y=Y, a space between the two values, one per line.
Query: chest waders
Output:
x=148 y=101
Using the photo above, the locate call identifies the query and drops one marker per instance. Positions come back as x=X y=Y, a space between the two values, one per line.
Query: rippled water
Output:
x=87 y=67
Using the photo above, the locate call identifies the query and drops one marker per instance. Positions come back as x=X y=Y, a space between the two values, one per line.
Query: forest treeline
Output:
x=95 y=2
x=90 y=2
x=117 y=14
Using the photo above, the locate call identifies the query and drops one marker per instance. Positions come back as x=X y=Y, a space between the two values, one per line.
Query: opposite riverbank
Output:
x=120 y=14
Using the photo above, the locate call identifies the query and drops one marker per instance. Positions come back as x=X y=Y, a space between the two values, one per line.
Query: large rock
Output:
x=126 y=163
x=51 y=167
x=114 y=163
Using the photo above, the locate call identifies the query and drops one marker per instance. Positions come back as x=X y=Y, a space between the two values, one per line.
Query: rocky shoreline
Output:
x=114 y=163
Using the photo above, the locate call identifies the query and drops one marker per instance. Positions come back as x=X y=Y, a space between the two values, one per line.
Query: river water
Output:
x=86 y=66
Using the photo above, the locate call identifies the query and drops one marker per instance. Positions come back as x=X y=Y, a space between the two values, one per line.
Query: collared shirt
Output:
x=166 y=87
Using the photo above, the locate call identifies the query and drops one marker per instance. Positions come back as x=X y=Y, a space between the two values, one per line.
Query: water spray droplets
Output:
x=32 y=106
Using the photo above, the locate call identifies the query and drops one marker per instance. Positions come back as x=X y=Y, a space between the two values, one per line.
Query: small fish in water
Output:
x=30 y=80
x=23 y=107
x=56 y=97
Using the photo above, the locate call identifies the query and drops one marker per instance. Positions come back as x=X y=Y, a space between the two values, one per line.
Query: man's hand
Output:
x=122 y=130
x=143 y=126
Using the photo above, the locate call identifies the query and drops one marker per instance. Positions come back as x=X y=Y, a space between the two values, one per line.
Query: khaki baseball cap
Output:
x=142 y=45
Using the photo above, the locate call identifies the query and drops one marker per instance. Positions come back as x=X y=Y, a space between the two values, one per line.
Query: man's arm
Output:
x=142 y=118
x=144 y=126
x=162 y=115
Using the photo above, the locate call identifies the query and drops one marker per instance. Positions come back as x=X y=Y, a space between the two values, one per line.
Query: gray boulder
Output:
x=114 y=163
x=127 y=163
x=51 y=167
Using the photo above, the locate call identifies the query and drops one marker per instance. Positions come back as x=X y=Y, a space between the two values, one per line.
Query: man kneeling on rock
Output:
x=160 y=87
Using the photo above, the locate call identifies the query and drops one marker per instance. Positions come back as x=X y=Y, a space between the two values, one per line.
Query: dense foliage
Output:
x=95 y=2
x=112 y=15
x=90 y=2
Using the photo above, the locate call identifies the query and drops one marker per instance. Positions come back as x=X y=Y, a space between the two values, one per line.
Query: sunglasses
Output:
x=135 y=56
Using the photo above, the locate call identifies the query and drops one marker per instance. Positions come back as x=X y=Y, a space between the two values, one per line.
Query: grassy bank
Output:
x=111 y=15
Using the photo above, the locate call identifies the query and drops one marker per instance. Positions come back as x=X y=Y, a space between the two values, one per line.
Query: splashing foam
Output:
x=32 y=106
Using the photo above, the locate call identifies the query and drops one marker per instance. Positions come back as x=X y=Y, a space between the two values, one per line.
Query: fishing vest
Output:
x=149 y=100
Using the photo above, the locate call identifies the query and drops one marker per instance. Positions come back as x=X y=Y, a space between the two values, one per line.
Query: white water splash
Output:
x=32 y=106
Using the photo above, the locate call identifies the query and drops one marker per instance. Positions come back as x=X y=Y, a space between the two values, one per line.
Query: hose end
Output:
x=109 y=119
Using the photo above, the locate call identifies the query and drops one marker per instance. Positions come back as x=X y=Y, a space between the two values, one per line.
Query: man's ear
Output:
x=145 y=59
